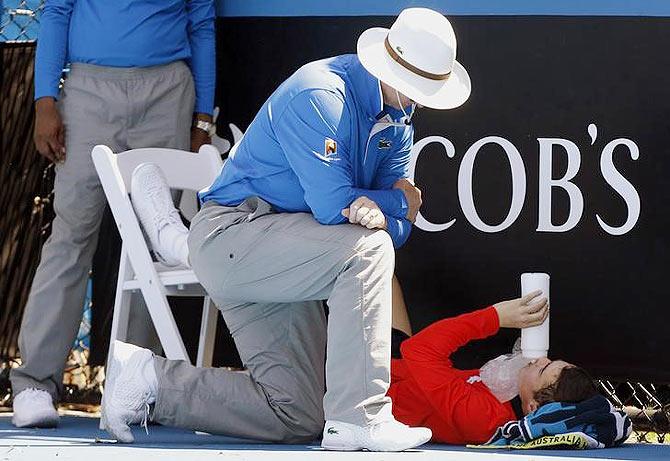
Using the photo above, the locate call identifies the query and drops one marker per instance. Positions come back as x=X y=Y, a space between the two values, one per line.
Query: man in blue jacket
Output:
x=309 y=206
x=140 y=73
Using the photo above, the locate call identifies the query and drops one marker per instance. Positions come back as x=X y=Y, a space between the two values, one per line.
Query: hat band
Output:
x=397 y=58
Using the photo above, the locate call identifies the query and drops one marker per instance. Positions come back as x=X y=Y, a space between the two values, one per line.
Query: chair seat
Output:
x=178 y=281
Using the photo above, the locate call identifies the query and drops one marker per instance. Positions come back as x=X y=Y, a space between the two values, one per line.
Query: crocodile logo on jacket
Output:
x=384 y=144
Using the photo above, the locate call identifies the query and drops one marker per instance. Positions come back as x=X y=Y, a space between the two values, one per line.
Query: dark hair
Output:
x=573 y=385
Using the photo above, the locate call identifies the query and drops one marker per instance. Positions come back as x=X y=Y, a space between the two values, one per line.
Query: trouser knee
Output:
x=376 y=247
x=300 y=424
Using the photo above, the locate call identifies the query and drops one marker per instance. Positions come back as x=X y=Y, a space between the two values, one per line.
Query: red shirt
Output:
x=428 y=391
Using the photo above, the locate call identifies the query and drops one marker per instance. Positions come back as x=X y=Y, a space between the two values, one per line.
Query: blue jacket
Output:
x=323 y=139
x=127 y=33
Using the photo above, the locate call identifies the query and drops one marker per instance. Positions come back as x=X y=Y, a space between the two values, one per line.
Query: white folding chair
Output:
x=137 y=271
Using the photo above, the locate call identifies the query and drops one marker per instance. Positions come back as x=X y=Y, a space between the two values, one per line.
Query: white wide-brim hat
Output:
x=417 y=57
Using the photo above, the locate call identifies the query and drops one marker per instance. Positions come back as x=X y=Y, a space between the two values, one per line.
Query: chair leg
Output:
x=161 y=315
x=121 y=306
x=121 y=312
x=207 y=333
x=122 y=299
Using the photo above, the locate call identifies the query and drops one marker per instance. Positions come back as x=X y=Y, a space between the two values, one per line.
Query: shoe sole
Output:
x=385 y=450
x=341 y=448
x=110 y=383
x=108 y=389
x=396 y=448
x=46 y=421
x=331 y=448
x=140 y=209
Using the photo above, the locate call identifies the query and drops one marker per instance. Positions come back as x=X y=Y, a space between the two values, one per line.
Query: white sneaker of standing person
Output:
x=34 y=408
x=152 y=201
x=130 y=388
x=386 y=436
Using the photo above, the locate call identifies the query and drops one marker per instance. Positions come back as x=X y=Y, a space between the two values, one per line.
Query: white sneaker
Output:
x=151 y=198
x=34 y=408
x=387 y=436
x=130 y=387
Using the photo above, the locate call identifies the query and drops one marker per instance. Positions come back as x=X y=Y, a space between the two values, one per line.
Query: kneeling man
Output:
x=331 y=144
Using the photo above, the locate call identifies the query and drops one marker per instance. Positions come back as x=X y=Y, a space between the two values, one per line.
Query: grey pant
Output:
x=124 y=108
x=266 y=272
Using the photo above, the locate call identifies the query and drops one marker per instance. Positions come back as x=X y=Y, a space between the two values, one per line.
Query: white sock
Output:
x=172 y=241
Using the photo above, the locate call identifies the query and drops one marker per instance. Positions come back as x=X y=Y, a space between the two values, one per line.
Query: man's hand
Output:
x=413 y=196
x=49 y=133
x=365 y=212
x=198 y=136
x=521 y=313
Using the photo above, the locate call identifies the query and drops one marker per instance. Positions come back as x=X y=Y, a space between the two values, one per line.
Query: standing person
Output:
x=331 y=145
x=141 y=72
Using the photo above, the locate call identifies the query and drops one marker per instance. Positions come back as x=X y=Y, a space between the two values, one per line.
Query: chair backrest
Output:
x=183 y=170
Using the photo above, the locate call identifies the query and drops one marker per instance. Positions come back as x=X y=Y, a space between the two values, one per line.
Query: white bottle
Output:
x=535 y=340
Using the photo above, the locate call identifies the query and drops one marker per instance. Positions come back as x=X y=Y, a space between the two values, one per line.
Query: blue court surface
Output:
x=78 y=438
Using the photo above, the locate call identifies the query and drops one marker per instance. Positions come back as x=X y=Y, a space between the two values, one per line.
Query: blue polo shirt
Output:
x=127 y=33
x=323 y=139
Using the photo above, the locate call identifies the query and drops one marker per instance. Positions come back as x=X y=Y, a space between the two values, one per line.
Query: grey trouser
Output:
x=266 y=272
x=124 y=108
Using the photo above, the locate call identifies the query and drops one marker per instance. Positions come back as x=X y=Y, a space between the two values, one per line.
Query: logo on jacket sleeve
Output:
x=330 y=147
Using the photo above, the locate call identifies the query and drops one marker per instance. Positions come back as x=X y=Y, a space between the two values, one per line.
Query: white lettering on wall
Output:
x=547 y=183
x=621 y=185
x=421 y=222
x=465 y=178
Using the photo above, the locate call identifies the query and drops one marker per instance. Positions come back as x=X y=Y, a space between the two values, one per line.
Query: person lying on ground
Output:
x=457 y=405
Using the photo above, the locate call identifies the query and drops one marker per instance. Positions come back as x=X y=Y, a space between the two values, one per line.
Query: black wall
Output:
x=533 y=77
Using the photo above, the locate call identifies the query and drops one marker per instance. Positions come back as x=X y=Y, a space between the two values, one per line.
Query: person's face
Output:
x=391 y=98
x=538 y=374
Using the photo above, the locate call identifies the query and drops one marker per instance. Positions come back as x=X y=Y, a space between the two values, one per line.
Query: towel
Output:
x=592 y=423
